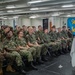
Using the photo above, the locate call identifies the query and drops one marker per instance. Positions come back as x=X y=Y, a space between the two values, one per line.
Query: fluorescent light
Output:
x=4 y=18
x=9 y=7
x=10 y=11
x=34 y=16
x=34 y=9
x=68 y=5
x=31 y=2
x=15 y=17
x=68 y=15
x=55 y=14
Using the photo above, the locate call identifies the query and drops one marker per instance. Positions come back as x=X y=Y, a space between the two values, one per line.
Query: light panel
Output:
x=68 y=5
x=9 y=7
x=34 y=9
x=38 y=1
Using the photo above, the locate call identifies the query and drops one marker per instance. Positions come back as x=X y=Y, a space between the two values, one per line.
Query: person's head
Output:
x=59 y=29
x=20 y=33
x=10 y=34
x=24 y=28
x=30 y=30
x=18 y=28
x=46 y=31
x=34 y=28
x=2 y=27
x=40 y=28
x=6 y=29
x=64 y=28
x=53 y=28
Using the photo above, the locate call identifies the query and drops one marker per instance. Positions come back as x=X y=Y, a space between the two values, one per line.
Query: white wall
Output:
x=36 y=22
x=26 y=21
x=57 y=21
x=8 y=22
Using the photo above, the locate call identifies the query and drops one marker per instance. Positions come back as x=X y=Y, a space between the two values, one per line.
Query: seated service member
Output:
x=32 y=42
x=25 y=50
x=12 y=51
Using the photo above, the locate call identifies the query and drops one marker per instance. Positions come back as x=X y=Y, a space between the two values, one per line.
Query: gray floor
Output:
x=57 y=66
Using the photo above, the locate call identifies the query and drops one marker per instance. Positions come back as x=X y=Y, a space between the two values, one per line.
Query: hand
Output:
x=17 y=48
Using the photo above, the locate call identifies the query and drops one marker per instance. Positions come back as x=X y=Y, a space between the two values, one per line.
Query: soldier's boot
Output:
x=1 y=71
x=31 y=65
x=67 y=51
x=10 y=69
x=21 y=70
x=39 y=61
x=64 y=50
x=60 y=51
x=57 y=54
x=44 y=58
x=69 y=48
x=53 y=54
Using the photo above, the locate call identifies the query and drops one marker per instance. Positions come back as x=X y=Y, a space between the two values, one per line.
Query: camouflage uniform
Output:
x=47 y=40
x=54 y=38
x=39 y=37
x=26 y=52
x=12 y=53
x=3 y=35
x=64 y=42
x=69 y=40
x=1 y=58
x=32 y=39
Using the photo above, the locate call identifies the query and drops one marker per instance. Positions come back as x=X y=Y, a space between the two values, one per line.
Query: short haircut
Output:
x=39 y=26
x=63 y=26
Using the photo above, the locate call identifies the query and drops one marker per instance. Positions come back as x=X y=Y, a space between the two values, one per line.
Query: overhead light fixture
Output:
x=55 y=14
x=71 y=5
x=34 y=9
x=10 y=7
x=10 y=11
x=4 y=18
x=68 y=15
x=34 y=16
x=15 y=17
x=38 y=1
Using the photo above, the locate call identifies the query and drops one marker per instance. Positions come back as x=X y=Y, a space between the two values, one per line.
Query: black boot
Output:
x=40 y=61
x=64 y=50
x=61 y=52
x=57 y=54
x=44 y=58
x=21 y=70
x=53 y=54
x=32 y=66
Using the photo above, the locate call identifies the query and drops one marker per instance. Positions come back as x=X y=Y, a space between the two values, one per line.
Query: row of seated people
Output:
x=27 y=43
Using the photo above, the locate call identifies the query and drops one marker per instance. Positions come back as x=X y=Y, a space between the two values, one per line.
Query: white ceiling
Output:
x=37 y=7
